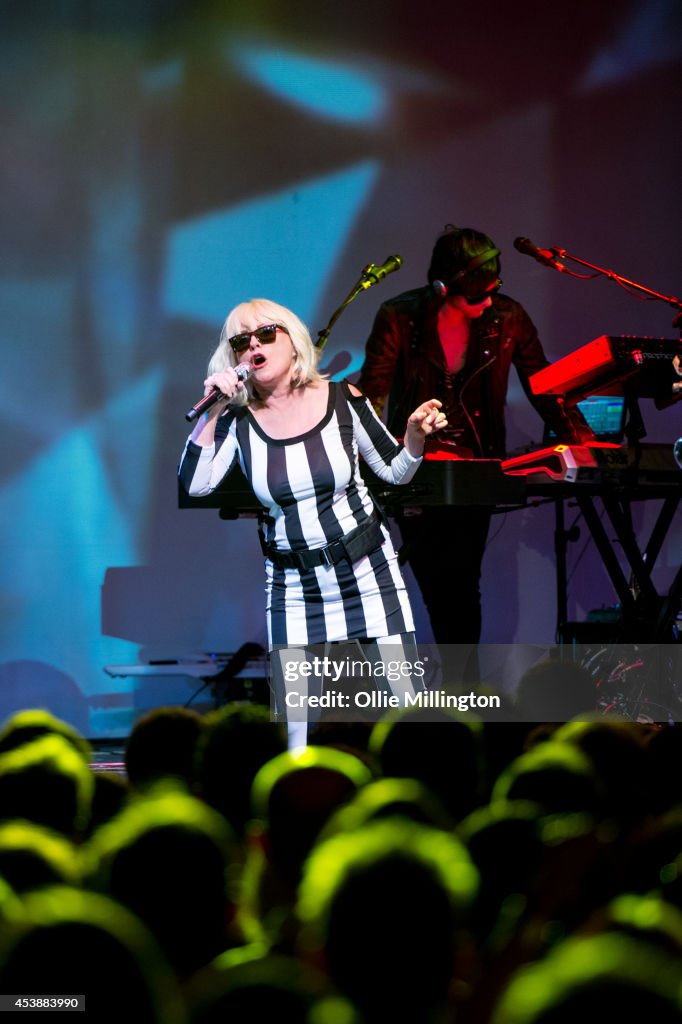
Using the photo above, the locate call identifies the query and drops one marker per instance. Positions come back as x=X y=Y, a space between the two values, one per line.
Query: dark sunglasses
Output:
x=265 y=334
x=476 y=300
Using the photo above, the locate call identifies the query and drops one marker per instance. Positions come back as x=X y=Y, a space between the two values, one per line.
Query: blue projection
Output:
x=651 y=37
x=228 y=256
x=328 y=88
x=74 y=510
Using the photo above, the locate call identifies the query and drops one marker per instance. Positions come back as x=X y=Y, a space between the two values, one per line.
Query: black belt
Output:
x=352 y=546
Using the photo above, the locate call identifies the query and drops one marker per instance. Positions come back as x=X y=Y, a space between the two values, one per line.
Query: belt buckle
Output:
x=327 y=555
x=327 y=552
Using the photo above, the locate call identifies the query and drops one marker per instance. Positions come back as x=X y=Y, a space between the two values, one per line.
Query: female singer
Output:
x=331 y=570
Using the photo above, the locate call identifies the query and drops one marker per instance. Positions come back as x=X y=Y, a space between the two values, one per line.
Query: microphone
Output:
x=544 y=256
x=372 y=274
x=209 y=400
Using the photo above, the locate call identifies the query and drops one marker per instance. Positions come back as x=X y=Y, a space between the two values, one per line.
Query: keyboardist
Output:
x=457 y=337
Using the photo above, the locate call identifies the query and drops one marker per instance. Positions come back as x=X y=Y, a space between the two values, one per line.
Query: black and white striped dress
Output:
x=314 y=494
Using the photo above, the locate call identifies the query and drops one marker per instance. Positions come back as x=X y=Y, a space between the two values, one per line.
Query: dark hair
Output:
x=454 y=251
x=161 y=743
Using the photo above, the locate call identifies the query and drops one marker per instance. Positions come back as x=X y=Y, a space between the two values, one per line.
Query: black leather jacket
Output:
x=404 y=361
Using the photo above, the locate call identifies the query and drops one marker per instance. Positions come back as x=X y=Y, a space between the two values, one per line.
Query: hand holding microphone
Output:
x=219 y=386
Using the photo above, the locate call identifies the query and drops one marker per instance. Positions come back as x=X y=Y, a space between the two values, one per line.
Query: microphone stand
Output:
x=635 y=430
x=626 y=284
x=364 y=282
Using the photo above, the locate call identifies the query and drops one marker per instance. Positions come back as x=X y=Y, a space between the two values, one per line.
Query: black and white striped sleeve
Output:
x=385 y=456
x=202 y=468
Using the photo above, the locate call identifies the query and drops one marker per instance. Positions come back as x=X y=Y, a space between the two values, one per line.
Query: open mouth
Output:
x=257 y=360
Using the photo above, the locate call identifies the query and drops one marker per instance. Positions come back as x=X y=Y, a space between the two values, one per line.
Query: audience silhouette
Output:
x=237 y=741
x=32 y=857
x=63 y=942
x=163 y=744
x=385 y=908
x=167 y=857
x=47 y=781
x=449 y=871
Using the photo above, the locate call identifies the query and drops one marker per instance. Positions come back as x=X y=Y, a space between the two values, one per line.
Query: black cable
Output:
x=196 y=693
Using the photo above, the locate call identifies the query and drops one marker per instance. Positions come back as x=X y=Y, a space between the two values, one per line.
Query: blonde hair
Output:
x=307 y=355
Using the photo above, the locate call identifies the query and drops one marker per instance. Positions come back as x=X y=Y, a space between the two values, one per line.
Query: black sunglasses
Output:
x=476 y=300
x=265 y=334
